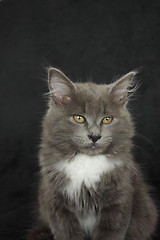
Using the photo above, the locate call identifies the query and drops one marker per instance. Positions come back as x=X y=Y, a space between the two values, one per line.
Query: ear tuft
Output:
x=123 y=88
x=61 y=88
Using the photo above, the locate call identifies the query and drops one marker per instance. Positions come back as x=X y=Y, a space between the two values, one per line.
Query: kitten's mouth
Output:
x=94 y=146
x=98 y=147
x=94 y=149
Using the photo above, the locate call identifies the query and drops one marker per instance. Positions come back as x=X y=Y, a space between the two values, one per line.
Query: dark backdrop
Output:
x=101 y=39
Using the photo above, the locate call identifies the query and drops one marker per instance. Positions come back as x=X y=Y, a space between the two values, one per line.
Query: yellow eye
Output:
x=79 y=118
x=107 y=120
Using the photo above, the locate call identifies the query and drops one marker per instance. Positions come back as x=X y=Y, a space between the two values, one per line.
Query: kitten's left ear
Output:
x=61 y=88
x=120 y=89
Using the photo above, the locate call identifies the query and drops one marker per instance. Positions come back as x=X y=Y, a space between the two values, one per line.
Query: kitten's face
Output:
x=92 y=136
x=90 y=118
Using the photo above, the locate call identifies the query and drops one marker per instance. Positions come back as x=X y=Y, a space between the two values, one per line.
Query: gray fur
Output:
x=120 y=201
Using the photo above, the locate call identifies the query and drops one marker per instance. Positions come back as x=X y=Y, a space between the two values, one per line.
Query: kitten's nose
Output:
x=94 y=138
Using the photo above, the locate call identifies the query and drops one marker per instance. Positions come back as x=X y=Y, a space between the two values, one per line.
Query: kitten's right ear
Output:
x=61 y=88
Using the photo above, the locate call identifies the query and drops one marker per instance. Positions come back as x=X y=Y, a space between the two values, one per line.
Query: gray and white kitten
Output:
x=90 y=186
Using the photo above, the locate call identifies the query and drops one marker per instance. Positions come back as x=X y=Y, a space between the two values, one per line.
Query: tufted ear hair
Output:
x=121 y=89
x=61 y=88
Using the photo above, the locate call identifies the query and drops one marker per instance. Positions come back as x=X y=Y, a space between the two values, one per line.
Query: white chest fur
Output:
x=85 y=169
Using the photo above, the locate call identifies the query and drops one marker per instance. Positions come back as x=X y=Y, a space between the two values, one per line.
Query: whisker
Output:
x=146 y=140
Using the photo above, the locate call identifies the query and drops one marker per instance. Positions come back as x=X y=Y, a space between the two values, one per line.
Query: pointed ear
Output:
x=61 y=88
x=121 y=89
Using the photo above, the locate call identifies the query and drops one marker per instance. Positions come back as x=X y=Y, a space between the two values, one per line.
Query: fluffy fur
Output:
x=90 y=186
x=85 y=169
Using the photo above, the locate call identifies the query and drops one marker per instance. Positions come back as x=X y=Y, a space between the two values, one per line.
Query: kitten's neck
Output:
x=87 y=170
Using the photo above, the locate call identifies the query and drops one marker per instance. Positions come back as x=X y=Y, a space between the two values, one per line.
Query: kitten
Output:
x=90 y=186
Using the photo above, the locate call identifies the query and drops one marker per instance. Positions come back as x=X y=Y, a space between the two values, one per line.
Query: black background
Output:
x=101 y=39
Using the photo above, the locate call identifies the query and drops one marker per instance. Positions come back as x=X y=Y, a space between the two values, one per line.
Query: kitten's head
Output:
x=89 y=118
